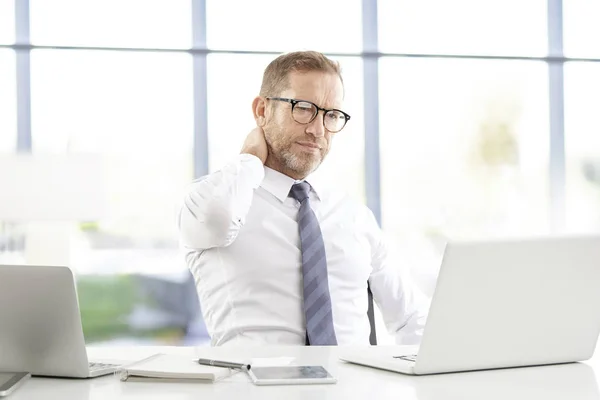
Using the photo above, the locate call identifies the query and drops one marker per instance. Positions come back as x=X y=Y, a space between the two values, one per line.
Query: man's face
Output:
x=298 y=149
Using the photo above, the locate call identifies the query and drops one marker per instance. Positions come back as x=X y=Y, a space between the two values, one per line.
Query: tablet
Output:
x=10 y=381
x=290 y=375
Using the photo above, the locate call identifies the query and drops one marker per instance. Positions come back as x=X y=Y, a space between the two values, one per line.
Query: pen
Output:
x=224 y=364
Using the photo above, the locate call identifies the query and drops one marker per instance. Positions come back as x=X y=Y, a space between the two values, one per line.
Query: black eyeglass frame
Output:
x=293 y=102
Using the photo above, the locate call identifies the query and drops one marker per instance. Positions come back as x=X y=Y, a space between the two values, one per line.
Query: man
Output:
x=276 y=258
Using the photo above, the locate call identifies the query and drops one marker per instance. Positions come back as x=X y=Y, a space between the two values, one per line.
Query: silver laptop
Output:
x=40 y=324
x=505 y=304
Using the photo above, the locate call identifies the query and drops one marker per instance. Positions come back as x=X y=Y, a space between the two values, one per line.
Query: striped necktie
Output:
x=317 y=303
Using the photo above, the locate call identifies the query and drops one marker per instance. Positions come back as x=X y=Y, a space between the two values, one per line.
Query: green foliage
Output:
x=89 y=226
x=498 y=144
x=106 y=302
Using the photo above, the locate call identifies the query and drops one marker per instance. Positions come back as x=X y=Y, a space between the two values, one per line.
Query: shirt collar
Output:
x=279 y=185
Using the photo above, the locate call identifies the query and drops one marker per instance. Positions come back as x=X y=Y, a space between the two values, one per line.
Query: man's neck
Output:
x=275 y=165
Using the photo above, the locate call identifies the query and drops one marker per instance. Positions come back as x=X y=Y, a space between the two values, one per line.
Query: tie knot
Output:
x=300 y=191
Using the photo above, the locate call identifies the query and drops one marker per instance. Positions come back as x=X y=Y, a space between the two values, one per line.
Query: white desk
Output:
x=570 y=381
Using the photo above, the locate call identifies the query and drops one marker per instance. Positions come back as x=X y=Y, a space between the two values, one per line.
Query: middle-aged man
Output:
x=278 y=259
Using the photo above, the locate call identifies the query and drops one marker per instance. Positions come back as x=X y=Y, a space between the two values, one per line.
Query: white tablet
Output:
x=290 y=375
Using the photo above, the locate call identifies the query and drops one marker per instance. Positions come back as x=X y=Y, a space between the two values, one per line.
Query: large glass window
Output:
x=582 y=146
x=111 y=23
x=581 y=28
x=7 y=21
x=8 y=110
x=233 y=82
x=506 y=27
x=275 y=25
x=230 y=117
x=464 y=154
x=136 y=110
x=10 y=243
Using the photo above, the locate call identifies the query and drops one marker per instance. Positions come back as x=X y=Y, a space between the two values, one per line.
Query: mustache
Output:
x=320 y=143
x=278 y=135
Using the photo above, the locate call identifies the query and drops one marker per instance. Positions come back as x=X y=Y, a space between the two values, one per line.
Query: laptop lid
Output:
x=513 y=303
x=40 y=324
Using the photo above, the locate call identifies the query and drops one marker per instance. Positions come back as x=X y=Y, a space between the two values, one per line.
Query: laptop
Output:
x=40 y=324
x=502 y=304
x=552 y=382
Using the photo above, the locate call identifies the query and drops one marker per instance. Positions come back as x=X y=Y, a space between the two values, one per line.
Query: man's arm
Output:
x=403 y=306
x=215 y=206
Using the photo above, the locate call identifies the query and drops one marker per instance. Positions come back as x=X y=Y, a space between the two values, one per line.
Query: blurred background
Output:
x=470 y=119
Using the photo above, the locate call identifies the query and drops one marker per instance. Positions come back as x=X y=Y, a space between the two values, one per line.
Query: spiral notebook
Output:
x=172 y=368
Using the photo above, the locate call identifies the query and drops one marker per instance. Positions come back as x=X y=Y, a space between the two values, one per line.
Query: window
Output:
x=8 y=110
x=230 y=117
x=581 y=29
x=111 y=23
x=582 y=147
x=7 y=21
x=508 y=27
x=10 y=244
x=329 y=26
x=136 y=110
x=464 y=154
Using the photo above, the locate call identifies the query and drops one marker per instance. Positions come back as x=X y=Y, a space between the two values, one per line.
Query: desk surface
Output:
x=572 y=381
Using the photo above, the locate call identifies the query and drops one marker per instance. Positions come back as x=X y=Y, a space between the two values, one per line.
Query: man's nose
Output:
x=316 y=127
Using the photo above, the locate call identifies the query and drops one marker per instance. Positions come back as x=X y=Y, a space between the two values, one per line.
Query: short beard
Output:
x=297 y=164
x=288 y=161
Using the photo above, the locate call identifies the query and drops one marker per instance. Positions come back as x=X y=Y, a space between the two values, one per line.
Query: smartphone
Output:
x=290 y=375
x=10 y=381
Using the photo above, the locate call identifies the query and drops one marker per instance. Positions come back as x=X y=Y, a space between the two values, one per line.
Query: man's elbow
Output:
x=211 y=229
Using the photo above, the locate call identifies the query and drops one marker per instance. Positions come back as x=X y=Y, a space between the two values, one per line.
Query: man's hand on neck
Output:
x=256 y=144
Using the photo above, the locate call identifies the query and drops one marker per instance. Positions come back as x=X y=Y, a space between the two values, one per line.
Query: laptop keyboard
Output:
x=95 y=366
x=411 y=357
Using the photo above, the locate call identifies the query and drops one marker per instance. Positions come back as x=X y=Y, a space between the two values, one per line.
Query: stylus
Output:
x=224 y=364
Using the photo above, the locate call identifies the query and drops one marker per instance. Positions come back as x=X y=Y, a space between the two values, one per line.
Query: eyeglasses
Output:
x=304 y=112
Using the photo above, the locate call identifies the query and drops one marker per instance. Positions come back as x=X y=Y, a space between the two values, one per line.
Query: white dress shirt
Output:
x=239 y=229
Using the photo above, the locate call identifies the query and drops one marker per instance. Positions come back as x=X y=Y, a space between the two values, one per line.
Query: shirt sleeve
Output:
x=215 y=206
x=403 y=306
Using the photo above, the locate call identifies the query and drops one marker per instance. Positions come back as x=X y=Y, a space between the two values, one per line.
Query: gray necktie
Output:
x=317 y=303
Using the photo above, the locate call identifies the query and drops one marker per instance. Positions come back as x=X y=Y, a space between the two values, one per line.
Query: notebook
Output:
x=172 y=368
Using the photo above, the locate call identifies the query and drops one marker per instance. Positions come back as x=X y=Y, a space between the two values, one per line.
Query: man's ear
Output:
x=259 y=109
